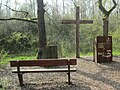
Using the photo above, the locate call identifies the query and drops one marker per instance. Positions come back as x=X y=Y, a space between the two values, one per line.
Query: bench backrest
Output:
x=43 y=62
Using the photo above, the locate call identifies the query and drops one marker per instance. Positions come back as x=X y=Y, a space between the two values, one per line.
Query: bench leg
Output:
x=68 y=78
x=68 y=73
x=20 y=79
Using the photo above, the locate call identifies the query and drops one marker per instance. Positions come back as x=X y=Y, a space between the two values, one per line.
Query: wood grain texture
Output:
x=43 y=62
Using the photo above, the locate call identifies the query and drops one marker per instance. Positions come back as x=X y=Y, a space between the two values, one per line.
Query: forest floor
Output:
x=89 y=76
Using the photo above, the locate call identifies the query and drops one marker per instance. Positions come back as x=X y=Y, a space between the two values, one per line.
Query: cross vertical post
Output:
x=77 y=32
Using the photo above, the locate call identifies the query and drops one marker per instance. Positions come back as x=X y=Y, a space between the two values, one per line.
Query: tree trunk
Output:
x=45 y=52
x=41 y=29
x=41 y=24
x=105 y=26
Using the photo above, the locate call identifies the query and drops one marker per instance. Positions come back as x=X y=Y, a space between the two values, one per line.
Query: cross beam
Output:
x=74 y=21
x=77 y=22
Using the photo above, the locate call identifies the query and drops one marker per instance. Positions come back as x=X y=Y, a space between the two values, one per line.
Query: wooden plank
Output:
x=44 y=70
x=43 y=62
x=77 y=33
x=74 y=21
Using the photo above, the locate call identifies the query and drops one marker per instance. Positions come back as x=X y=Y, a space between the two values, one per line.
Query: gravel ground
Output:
x=89 y=76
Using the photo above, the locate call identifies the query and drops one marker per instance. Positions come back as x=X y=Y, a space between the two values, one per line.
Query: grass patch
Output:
x=86 y=54
x=116 y=53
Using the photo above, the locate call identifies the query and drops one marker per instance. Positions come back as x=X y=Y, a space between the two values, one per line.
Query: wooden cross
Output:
x=77 y=22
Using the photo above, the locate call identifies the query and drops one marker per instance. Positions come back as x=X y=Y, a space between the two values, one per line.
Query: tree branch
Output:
x=26 y=13
x=19 y=19
x=32 y=18
x=115 y=4
x=103 y=10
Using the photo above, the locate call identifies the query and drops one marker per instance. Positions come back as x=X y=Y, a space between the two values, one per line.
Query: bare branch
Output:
x=33 y=19
x=19 y=19
x=74 y=3
x=115 y=4
x=103 y=10
x=26 y=13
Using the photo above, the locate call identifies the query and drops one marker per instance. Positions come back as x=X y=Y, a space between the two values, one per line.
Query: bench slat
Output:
x=43 y=62
x=44 y=70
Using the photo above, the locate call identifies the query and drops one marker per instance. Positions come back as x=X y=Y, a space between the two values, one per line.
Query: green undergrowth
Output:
x=8 y=58
x=20 y=57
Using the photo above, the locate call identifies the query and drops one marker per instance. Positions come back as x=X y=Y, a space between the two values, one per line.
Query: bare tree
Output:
x=106 y=16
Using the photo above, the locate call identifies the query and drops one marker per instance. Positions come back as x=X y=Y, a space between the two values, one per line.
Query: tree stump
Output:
x=47 y=52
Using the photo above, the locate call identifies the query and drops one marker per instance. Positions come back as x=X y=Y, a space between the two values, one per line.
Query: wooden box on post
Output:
x=103 y=49
x=48 y=52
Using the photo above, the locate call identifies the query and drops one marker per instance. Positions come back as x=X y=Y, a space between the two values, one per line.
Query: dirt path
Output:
x=89 y=76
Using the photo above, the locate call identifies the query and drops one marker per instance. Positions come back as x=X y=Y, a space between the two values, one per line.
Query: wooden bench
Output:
x=45 y=63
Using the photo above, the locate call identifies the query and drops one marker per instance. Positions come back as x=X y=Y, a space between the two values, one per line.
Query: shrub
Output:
x=3 y=54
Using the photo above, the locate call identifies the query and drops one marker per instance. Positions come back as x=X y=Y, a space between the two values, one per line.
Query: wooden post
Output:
x=77 y=33
x=68 y=72
x=19 y=74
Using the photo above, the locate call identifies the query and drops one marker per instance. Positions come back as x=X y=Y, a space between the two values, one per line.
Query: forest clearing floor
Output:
x=89 y=76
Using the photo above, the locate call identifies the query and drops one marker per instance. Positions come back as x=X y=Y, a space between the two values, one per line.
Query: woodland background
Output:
x=21 y=38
